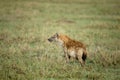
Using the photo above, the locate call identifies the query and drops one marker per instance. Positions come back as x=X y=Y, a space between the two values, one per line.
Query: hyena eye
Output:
x=53 y=37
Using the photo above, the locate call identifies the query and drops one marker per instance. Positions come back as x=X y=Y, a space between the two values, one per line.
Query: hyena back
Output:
x=72 y=48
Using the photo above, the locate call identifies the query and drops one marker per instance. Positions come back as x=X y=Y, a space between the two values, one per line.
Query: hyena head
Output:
x=56 y=38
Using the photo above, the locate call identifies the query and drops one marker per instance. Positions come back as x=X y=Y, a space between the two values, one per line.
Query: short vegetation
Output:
x=25 y=26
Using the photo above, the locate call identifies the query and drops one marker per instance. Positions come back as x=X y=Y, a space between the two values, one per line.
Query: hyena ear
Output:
x=57 y=34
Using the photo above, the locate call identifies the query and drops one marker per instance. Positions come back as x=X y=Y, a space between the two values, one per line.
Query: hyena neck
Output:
x=64 y=40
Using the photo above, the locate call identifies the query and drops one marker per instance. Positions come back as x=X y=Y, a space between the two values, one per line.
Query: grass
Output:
x=25 y=25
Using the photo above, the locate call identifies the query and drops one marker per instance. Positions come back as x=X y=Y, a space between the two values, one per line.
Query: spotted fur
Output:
x=72 y=48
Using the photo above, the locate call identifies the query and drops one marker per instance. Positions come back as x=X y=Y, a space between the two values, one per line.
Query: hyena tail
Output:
x=84 y=56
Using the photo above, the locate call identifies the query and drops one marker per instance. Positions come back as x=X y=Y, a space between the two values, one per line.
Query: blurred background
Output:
x=25 y=25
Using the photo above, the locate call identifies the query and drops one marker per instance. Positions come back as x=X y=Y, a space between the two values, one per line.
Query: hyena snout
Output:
x=50 y=40
x=53 y=38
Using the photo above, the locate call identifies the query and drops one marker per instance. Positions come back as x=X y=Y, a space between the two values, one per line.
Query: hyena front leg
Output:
x=67 y=57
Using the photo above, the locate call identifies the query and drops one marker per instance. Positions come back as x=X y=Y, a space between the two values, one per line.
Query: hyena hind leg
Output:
x=81 y=61
x=80 y=57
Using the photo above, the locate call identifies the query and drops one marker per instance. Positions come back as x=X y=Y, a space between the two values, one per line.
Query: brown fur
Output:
x=72 y=48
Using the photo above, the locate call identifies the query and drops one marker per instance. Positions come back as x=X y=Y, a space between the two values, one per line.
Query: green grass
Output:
x=25 y=25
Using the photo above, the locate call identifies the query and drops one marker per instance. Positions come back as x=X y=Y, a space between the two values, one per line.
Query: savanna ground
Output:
x=25 y=25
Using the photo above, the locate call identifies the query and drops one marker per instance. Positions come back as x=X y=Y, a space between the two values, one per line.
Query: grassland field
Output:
x=25 y=25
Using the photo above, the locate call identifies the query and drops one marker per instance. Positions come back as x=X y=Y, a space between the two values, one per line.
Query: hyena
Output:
x=72 y=48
